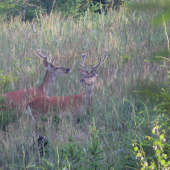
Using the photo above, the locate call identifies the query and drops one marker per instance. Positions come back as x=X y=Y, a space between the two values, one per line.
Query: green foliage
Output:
x=162 y=97
x=28 y=9
x=115 y=119
x=71 y=151
x=144 y=146
x=68 y=155
x=94 y=150
x=7 y=117
x=56 y=120
x=125 y=59
x=79 y=7
x=24 y=166
x=6 y=80
x=164 y=6
x=160 y=158
x=157 y=143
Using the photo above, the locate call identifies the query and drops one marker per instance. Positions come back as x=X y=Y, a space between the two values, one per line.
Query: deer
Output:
x=41 y=105
x=16 y=99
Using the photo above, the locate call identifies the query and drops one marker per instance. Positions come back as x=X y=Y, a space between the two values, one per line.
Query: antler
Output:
x=82 y=64
x=100 y=62
x=54 y=57
x=41 y=54
x=45 y=57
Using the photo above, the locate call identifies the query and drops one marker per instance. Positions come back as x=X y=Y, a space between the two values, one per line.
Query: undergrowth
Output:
x=103 y=139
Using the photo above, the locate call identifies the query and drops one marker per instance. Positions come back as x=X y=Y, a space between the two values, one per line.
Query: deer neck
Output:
x=47 y=83
x=89 y=95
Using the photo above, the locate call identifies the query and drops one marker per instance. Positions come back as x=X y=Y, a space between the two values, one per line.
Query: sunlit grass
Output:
x=129 y=38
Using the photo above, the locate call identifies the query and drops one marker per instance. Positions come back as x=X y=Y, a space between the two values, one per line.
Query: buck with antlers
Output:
x=17 y=99
x=41 y=105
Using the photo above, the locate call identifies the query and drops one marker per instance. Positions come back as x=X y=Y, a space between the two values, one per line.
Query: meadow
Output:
x=118 y=113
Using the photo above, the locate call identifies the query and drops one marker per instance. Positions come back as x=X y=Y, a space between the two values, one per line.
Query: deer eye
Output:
x=91 y=76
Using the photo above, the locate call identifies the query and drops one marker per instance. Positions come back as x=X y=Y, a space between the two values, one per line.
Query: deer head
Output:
x=89 y=76
x=55 y=70
x=89 y=79
x=52 y=72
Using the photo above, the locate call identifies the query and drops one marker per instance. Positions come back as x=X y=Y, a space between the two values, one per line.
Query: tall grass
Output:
x=129 y=38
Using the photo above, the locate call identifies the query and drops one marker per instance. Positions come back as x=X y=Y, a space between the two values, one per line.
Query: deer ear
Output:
x=45 y=63
x=82 y=72
x=94 y=72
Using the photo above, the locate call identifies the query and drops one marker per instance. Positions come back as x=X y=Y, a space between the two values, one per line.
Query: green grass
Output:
x=129 y=38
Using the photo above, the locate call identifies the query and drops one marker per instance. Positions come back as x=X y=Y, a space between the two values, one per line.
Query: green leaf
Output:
x=159 y=19
x=162 y=162
x=48 y=163
x=138 y=155
x=30 y=166
x=157 y=152
x=153 y=131
x=161 y=136
x=14 y=165
x=136 y=148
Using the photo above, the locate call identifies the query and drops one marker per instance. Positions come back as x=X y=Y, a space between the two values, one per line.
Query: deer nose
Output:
x=82 y=81
x=68 y=70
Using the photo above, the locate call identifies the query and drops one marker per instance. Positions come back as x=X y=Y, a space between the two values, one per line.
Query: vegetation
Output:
x=123 y=125
x=29 y=9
